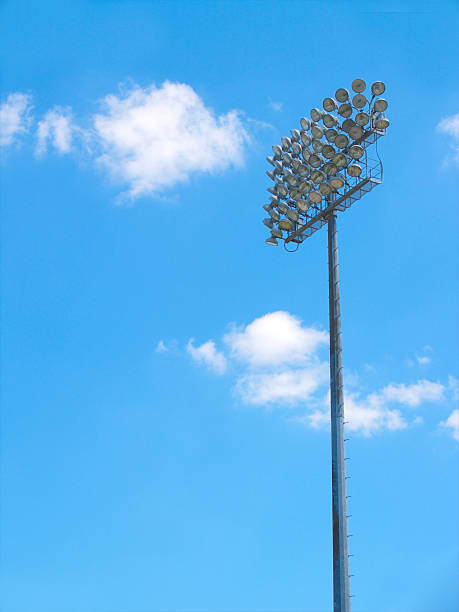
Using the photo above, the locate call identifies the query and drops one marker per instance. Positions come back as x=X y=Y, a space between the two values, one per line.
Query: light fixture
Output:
x=331 y=134
x=305 y=138
x=287 y=157
x=281 y=190
x=315 y=197
x=356 y=151
x=380 y=105
x=341 y=141
x=356 y=132
x=328 y=152
x=279 y=165
x=378 y=88
x=271 y=174
x=362 y=118
x=274 y=215
x=286 y=143
x=317 y=145
x=342 y=94
x=317 y=131
x=303 y=170
x=285 y=224
x=317 y=176
x=345 y=110
x=380 y=121
x=330 y=120
x=276 y=232
x=316 y=114
x=271 y=240
x=314 y=161
x=296 y=148
x=277 y=151
x=302 y=205
x=292 y=215
x=325 y=188
x=347 y=124
x=295 y=135
x=306 y=154
x=270 y=159
x=354 y=170
x=359 y=101
x=268 y=222
x=305 y=187
x=305 y=123
x=267 y=207
x=358 y=85
x=329 y=104
x=282 y=207
x=341 y=160
x=330 y=169
x=337 y=182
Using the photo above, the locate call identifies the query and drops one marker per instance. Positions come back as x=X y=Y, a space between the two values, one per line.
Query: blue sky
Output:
x=165 y=442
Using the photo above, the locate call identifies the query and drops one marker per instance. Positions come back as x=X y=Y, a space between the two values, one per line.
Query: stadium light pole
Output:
x=319 y=170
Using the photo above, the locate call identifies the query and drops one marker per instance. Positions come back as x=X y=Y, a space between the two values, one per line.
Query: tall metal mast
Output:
x=316 y=173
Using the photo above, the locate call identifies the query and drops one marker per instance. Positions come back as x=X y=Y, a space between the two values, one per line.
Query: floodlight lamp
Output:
x=325 y=188
x=380 y=121
x=356 y=151
x=331 y=134
x=283 y=207
x=291 y=180
x=306 y=154
x=378 y=88
x=317 y=131
x=305 y=187
x=347 y=124
x=268 y=222
x=276 y=232
x=274 y=215
x=277 y=151
x=358 y=85
x=330 y=169
x=292 y=215
x=287 y=158
x=345 y=110
x=272 y=190
x=329 y=104
x=274 y=200
x=317 y=145
x=316 y=114
x=305 y=138
x=281 y=190
x=296 y=164
x=295 y=135
x=271 y=174
x=362 y=118
x=303 y=170
x=270 y=159
x=328 y=152
x=380 y=105
x=318 y=177
x=315 y=197
x=336 y=182
x=354 y=170
x=296 y=149
x=359 y=101
x=341 y=141
x=314 y=161
x=330 y=120
x=286 y=143
x=356 y=132
x=268 y=208
x=285 y=224
x=305 y=123
x=302 y=205
x=342 y=94
x=271 y=240
x=341 y=160
x=278 y=165
x=295 y=194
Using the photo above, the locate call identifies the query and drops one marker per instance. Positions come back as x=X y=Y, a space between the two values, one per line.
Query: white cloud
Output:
x=415 y=394
x=275 y=106
x=452 y=423
x=286 y=387
x=423 y=360
x=453 y=386
x=450 y=125
x=208 y=355
x=14 y=117
x=57 y=127
x=275 y=339
x=161 y=347
x=152 y=138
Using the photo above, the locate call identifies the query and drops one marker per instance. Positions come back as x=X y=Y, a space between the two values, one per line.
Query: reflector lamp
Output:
x=271 y=174
x=347 y=124
x=380 y=105
x=341 y=141
x=295 y=135
x=337 y=182
x=329 y=105
x=354 y=170
x=285 y=224
x=314 y=161
x=267 y=207
x=330 y=169
x=305 y=138
x=330 y=135
x=276 y=232
x=277 y=151
x=356 y=132
x=302 y=205
x=345 y=110
x=381 y=122
x=362 y=118
x=315 y=197
x=270 y=159
x=359 y=101
x=305 y=123
x=316 y=114
x=268 y=222
x=303 y=170
x=325 y=188
x=306 y=154
x=358 y=85
x=317 y=176
x=286 y=143
x=378 y=88
x=342 y=94
x=317 y=131
x=296 y=148
x=305 y=187
x=287 y=158
x=328 y=152
x=329 y=120
x=292 y=215
x=271 y=241
x=356 y=151
x=317 y=145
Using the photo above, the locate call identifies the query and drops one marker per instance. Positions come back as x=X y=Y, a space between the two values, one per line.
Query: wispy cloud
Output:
x=450 y=125
x=56 y=128
x=452 y=423
x=208 y=355
x=275 y=106
x=15 y=117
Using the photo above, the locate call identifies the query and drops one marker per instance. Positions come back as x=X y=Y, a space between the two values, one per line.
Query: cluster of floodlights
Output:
x=325 y=157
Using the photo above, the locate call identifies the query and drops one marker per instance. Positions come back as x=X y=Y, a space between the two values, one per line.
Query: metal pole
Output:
x=341 y=600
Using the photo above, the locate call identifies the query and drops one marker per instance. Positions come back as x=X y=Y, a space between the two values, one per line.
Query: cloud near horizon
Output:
x=450 y=125
x=276 y=362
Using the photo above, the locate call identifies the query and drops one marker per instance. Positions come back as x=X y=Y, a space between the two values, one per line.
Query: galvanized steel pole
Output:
x=341 y=595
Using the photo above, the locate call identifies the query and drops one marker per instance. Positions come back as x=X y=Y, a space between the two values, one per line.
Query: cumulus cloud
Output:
x=450 y=126
x=275 y=339
x=56 y=128
x=452 y=423
x=15 y=117
x=208 y=355
x=415 y=394
x=286 y=387
x=152 y=138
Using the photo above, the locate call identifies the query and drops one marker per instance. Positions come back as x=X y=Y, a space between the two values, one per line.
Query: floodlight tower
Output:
x=317 y=171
